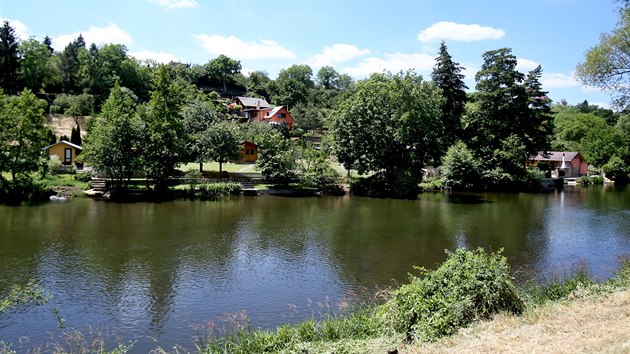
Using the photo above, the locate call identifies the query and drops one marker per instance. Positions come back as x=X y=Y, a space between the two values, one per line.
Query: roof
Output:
x=63 y=142
x=274 y=111
x=557 y=156
x=254 y=102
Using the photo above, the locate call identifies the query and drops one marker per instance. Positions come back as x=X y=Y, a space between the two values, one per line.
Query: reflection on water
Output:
x=153 y=271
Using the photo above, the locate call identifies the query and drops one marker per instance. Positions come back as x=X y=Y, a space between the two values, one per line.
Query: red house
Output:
x=259 y=110
x=562 y=163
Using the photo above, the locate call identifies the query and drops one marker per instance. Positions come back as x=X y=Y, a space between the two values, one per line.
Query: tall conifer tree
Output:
x=447 y=76
x=9 y=59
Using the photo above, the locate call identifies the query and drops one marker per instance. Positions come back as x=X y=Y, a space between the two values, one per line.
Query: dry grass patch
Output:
x=595 y=324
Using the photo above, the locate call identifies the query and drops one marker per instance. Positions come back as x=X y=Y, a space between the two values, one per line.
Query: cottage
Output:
x=562 y=163
x=65 y=150
x=259 y=110
x=249 y=152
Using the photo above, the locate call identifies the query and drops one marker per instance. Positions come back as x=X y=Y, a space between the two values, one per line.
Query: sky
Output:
x=354 y=37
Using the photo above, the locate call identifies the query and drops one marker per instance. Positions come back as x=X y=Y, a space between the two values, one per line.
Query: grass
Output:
x=214 y=166
x=62 y=180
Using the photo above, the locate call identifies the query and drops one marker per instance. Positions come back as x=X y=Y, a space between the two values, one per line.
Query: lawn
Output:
x=214 y=166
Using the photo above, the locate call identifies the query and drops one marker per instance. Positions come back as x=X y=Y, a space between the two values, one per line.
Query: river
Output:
x=154 y=272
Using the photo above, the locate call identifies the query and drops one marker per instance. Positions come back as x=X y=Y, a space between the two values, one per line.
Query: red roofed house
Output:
x=259 y=110
x=562 y=163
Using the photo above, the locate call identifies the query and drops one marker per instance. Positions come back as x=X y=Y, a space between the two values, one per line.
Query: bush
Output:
x=54 y=164
x=84 y=176
x=460 y=168
x=432 y=184
x=469 y=285
x=212 y=191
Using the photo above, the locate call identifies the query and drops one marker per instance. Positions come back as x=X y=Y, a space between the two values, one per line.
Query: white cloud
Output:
x=234 y=47
x=459 y=32
x=558 y=80
x=97 y=35
x=21 y=31
x=525 y=65
x=176 y=4
x=160 y=57
x=394 y=62
x=336 y=54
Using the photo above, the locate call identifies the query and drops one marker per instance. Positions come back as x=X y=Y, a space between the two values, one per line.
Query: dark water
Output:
x=152 y=272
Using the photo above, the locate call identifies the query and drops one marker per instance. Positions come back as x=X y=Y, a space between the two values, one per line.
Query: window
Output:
x=282 y=115
x=246 y=151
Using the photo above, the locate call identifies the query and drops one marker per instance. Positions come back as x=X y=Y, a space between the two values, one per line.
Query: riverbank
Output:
x=591 y=324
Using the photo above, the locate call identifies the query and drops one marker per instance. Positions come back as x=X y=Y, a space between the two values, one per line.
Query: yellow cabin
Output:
x=65 y=150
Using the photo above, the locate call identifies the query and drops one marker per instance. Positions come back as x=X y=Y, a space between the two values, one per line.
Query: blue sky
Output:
x=355 y=37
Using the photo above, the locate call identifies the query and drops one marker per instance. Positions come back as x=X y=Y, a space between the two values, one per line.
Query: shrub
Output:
x=84 y=176
x=469 y=285
x=54 y=164
x=432 y=184
x=211 y=191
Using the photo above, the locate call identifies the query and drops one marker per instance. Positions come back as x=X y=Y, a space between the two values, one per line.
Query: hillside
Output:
x=62 y=124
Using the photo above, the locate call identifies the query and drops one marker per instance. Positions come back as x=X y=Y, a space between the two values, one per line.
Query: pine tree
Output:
x=9 y=59
x=447 y=76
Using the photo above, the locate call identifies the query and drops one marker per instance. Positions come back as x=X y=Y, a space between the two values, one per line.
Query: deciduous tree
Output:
x=114 y=143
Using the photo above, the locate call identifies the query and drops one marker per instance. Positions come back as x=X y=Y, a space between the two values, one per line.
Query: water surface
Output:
x=152 y=272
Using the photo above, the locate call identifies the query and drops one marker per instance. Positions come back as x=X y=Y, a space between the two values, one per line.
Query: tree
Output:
x=459 y=167
x=22 y=136
x=69 y=65
x=293 y=85
x=198 y=117
x=9 y=59
x=258 y=84
x=163 y=146
x=607 y=64
x=508 y=110
x=75 y=135
x=223 y=69
x=222 y=143
x=38 y=68
x=389 y=126
x=114 y=143
x=447 y=76
x=276 y=159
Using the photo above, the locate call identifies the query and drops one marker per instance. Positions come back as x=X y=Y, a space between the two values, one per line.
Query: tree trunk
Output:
x=200 y=167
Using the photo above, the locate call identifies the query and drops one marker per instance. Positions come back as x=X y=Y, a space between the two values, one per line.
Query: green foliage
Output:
x=389 y=125
x=468 y=286
x=510 y=110
x=276 y=157
x=22 y=136
x=432 y=184
x=460 y=169
x=606 y=63
x=38 y=69
x=222 y=142
x=114 y=144
x=223 y=69
x=316 y=171
x=212 y=191
x=53 y=165
x=292 y=85
x=447 y=76
x=74 y=105
x=31 y=292
x=163 y=146
x=9 y=59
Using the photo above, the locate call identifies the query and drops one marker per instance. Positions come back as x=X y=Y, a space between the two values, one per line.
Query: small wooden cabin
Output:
x=65 y=150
